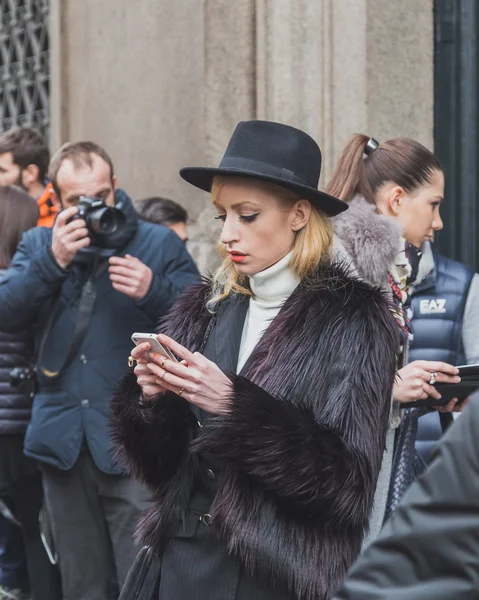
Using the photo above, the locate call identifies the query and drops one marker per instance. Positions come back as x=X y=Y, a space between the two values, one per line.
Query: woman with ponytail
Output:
x=394 y=190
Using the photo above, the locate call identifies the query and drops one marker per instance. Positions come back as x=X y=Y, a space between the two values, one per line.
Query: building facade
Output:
x=162 y=84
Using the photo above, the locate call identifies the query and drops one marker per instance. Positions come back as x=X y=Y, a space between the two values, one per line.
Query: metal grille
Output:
x=24 y=73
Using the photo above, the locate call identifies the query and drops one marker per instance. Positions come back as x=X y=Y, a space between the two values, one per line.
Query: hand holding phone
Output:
x=155 y=345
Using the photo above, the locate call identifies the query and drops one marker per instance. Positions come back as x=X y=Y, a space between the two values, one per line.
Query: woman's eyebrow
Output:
x=236 y=205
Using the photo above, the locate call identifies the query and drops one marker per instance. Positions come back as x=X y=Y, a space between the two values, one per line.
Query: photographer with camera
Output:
x=86 y=286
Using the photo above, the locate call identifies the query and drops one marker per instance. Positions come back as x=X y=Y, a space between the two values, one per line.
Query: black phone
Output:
x=469 y=383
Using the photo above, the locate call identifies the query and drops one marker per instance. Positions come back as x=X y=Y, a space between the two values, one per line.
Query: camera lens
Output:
x=104 y=220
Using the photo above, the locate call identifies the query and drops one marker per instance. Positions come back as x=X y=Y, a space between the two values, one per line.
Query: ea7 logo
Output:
x=432 y=307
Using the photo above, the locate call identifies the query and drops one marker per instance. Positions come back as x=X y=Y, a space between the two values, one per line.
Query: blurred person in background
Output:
x=163 y=211
x=86 y=285
x=429 y=549
x=24 y=157
x=394 y=190
x=445 y=317
x=24 y=565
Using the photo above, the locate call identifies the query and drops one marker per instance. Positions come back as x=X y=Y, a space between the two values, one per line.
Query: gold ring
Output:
x=132 y=361
x=181 y=392
x=163 y=362
x=160 y=378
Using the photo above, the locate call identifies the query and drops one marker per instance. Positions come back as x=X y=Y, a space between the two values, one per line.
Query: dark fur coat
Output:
x=302 y=445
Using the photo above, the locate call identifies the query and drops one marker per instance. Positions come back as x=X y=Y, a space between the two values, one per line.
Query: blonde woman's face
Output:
x=258 y=229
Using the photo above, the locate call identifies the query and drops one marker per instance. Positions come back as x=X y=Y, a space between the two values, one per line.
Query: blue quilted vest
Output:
x=437 y=315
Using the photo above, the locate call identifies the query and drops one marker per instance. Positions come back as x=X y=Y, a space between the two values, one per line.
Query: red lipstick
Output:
x=237 y=257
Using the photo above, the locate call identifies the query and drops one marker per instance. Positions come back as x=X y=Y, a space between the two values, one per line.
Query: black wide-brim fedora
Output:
x=272 y=152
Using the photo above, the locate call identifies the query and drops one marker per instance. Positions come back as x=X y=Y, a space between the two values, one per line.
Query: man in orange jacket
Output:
x=24 y=158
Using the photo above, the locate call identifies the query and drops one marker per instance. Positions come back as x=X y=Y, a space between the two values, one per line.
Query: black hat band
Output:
x=262 y=168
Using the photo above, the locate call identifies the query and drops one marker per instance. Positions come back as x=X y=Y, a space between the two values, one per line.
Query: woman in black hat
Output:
x=263 y=445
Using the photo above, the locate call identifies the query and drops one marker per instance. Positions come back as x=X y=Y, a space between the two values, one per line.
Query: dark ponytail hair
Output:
x=402 y=161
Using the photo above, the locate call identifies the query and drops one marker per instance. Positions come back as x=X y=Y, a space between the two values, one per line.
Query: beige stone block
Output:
x=134 y=82
x=400 y=84
x=229 y=97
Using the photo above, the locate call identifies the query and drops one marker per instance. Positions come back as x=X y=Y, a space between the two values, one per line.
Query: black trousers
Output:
x=25 y=500
x=93 y=517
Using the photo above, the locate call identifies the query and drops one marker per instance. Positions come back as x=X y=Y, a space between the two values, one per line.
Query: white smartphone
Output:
x=156 y=346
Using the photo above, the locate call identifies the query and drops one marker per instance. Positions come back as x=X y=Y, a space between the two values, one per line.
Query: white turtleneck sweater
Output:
x=271 y=288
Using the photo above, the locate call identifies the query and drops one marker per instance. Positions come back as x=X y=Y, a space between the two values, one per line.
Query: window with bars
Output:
x=24 y=64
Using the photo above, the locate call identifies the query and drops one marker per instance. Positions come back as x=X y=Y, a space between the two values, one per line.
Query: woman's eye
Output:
x=221 y=218
x=249 y=218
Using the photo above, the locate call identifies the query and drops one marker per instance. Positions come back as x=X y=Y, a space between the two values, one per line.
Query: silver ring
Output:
x=432 y=381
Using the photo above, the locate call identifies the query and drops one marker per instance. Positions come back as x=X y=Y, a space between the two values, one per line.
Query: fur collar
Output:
x=367 y=240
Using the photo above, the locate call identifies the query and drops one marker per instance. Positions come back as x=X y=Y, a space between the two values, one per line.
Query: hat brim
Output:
x=202 y=178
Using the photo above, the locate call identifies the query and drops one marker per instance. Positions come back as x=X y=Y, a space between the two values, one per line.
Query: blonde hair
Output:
x=312 y=244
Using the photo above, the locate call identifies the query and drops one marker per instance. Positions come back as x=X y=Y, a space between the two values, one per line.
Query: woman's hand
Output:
x=146 y=379
x=196 y=379
x=412 y=382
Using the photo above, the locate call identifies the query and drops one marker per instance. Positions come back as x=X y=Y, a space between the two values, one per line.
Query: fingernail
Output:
x=457 y=379
x=150 y=366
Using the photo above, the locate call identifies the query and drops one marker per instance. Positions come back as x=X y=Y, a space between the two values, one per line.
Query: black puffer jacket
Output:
x=16 y=350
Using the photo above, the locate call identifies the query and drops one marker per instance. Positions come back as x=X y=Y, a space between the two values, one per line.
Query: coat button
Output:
x=210 y=474
x=207 y=519
x=83 y=359
x=85 y=403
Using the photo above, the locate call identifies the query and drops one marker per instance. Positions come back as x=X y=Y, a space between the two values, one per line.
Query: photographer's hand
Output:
x=68 y=238
x=130 y=276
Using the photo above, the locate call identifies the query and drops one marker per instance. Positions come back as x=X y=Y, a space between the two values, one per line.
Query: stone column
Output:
x=229 y=97
x=335 y=67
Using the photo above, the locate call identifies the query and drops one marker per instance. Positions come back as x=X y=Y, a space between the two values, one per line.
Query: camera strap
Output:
x=85 y=310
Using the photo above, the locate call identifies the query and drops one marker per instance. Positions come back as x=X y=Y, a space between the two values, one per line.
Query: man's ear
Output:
x=114 y=183
x=30 y=175
x=55 y=199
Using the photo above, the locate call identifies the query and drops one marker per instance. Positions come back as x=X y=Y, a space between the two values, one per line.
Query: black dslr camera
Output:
x=105 y=223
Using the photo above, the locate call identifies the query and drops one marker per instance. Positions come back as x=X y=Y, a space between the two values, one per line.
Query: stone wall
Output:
x=162 y=84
